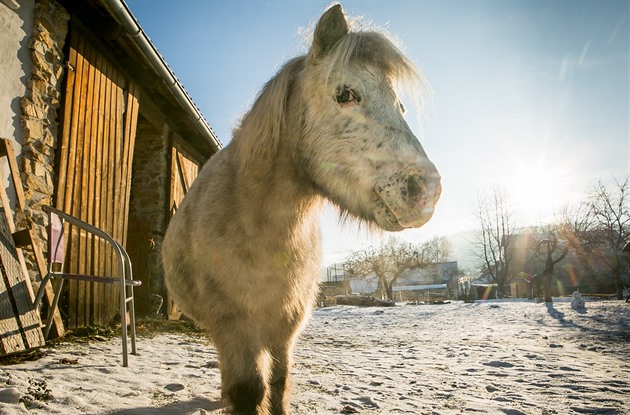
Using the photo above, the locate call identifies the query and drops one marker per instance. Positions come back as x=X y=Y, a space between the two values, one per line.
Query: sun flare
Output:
x=538 y=190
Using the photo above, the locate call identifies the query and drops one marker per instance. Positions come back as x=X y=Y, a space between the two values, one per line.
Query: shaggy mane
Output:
x=260 y=130
x=376 y=49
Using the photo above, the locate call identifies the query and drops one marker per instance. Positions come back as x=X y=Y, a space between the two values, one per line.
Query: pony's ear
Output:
x=332 y=26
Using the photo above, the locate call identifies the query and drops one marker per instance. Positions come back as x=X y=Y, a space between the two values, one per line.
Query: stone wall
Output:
x=40 y=106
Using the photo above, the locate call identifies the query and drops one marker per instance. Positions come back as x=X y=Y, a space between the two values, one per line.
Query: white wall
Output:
x=16 y=27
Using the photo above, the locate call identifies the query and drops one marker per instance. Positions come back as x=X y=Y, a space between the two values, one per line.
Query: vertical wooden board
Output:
x=72 y=287
x=172 y=203
x=101 y=292
x=82 y=203
x=114 y=194
x=102 y=303
x=70 y=125
x=103 y=310
x=118 y=170
x=90 y=182
x=131 y=118
x=77 y=288
x=64 y=203
x=75 y=159
x=182 y=168
x=87 y=208
x=107 y=183
x=97 y=289
x=78 y=251
x=102 y=222
x=124 y=156
x=95 y=194
x=111 y=162
x=180 y=185
x=191 y=170
x=67 y=119
x=68 y=145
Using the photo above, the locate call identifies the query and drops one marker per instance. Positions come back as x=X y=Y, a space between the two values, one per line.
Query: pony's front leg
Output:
x=279 y=383
x=244 y=373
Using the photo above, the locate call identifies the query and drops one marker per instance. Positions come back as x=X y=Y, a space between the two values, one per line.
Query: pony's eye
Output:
x=346 y=95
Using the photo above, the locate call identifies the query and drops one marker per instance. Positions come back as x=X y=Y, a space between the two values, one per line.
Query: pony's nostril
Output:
x=414 y=187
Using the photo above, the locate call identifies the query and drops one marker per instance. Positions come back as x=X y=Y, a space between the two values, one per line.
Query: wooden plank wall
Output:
x=94 y=173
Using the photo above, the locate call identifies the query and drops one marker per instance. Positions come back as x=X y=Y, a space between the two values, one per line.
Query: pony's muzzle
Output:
x=407 y=199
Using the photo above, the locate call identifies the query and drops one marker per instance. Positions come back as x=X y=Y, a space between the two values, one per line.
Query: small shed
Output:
x=103 y=130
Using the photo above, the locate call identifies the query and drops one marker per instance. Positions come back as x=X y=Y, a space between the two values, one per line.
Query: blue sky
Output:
x=528 y=95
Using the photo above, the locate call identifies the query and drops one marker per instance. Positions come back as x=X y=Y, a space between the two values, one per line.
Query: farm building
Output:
x=433 y=281
x=101 y=129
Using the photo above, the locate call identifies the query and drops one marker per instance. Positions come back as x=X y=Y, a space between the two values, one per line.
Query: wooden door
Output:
x=184 y=169
x=94 y=172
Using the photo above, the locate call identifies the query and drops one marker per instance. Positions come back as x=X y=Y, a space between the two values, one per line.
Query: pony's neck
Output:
x=281 y=198
x=275 y=198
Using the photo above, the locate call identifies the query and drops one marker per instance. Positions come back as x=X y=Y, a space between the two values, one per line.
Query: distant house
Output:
x=437 y=280
x=102 y=129
x=434 y=280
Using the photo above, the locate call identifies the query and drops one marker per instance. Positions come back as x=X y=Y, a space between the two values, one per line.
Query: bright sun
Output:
x=538 y=191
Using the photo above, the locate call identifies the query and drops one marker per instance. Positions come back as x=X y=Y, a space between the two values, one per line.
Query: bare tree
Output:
x=553 y=247
x=439 y=249
x=575 y=226
x=389 y=262
x=610 y=210
x=496 y=232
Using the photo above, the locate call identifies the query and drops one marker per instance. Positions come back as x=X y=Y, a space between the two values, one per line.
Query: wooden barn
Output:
x=101 y=129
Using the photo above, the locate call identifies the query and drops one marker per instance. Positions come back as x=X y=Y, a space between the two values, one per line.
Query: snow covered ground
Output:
x=494 y=357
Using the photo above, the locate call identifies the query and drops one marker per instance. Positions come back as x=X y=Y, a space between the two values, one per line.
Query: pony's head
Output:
x=340 y=120
x=363 y=155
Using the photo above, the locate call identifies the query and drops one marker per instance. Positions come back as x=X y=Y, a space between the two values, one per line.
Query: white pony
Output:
x=241 y=255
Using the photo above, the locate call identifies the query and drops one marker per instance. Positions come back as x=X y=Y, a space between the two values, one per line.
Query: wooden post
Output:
x=25 y=237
